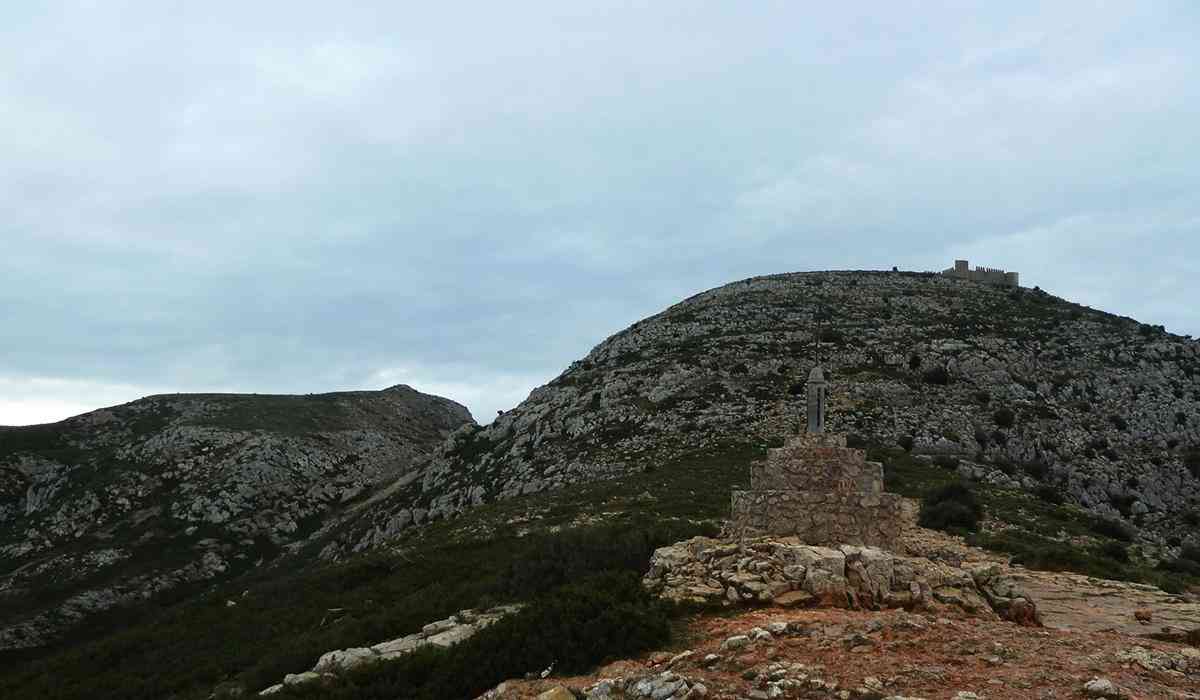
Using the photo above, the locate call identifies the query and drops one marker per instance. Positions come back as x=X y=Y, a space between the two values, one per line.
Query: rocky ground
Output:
x=892 y=654
x=118 y=505
x=1092 y=645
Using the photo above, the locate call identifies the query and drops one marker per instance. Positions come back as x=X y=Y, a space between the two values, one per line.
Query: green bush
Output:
x=1113 y=528
x=947 y=463
x=282 y=625
x=1004 y=417
x=953 y=507
x=936 y=375
x=1191 y=460
x=1050 y=494
x=1115 y=551
x=572 y=628
x=1181 y=565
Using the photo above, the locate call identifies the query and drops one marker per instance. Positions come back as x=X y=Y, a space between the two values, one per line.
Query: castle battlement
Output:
x=988 y=275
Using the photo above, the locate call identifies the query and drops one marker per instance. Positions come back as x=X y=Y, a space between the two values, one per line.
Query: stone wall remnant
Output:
x=989 y=275
x=821 y=491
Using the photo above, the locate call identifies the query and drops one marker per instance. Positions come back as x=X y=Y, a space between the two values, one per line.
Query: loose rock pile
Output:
x=712 y=572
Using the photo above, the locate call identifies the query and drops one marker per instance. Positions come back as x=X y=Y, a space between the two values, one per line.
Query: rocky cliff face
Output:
x=1027 y=389
x=120 y=504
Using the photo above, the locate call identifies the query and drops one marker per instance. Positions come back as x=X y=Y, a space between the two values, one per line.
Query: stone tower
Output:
x=817 y=386
x=818 y=489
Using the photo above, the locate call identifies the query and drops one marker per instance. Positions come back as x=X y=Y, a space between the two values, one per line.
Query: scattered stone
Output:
x=557 y=693
x=735 y=642
x=1104 y=688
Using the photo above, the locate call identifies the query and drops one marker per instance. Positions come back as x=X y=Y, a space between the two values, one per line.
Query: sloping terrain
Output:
x=1061 y=417
x=170 y=492
x=1016 y=388
x=882 y=656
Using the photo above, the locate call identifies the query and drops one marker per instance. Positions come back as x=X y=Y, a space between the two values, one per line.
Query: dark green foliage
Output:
x=953 y=507
x=1046 y=554
x=282 y=625
x=857 y=442
x=1181 y=565
x=1036 y=470
x=1192 y=517
x=905 y=441
x=1109 y=527
x=472 y=446
x=1181 y=418
x=1115 y=551
x=1004 y=417
x=1191 y=460
x=1118 y=422
x=552 y=560
x=1050 y=494
x=981 y=437
x=914 y=362
x=571 y=628
x=1123 y=503
x=936 y=375
x=947 y=463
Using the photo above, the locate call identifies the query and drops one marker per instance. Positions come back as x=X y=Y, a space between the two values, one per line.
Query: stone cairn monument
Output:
x=818 y=490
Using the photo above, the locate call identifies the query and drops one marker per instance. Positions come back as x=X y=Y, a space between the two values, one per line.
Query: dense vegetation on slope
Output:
x=171 y=492
x=280 y=623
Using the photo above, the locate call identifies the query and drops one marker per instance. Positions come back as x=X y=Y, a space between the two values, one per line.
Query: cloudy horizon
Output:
x=270 y=198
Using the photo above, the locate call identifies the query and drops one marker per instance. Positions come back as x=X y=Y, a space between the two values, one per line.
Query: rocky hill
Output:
x=169 y=493
x=1013 y=387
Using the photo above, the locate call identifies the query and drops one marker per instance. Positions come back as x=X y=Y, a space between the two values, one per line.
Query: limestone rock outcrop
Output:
x=441 y=633
x=783 y=571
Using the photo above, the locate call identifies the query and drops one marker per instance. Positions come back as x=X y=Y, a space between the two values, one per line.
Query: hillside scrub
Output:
x=569 y=629
x=282 y=624
x=953 y=508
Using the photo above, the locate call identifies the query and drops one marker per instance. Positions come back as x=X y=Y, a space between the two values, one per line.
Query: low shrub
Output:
x=570 y=629
x=947 y=463
x=1115 y=551
x=952 y=508
x=1113 y=528
x=936 y=375
x=1191 y=460
x=1004 y=417
x=1050 y=494
x=1180 y=565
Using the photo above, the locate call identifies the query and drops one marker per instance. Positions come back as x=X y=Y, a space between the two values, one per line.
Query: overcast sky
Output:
x=302 y=197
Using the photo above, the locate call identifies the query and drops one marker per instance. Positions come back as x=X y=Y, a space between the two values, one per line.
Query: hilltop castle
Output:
x=962 y=270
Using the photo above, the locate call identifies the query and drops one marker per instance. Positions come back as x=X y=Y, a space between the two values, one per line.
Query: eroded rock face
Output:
x=719 y=573
x=188 y=488
x=1104 y=410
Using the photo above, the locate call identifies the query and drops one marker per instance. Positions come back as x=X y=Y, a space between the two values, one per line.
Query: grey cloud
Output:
x=272 y=197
